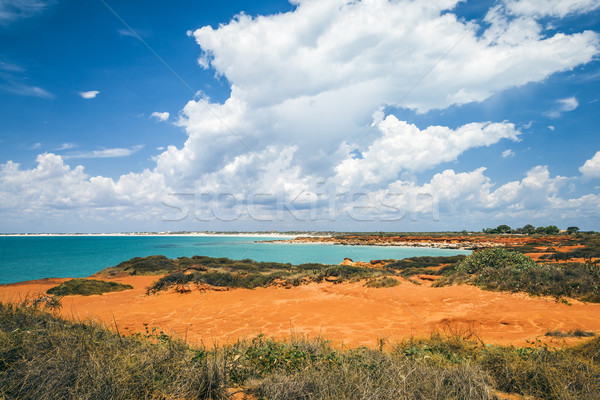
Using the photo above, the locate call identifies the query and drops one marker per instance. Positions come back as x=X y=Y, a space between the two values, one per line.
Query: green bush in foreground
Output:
x=86 y=287
x=44 y=357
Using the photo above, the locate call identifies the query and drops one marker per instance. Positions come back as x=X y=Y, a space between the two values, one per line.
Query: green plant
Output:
x=87 y=287
x=495 y=258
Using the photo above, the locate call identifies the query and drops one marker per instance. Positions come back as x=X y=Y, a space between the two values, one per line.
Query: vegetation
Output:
x=44 y=357
x=86 y=287
x=224 y=272
x=151 y=265
x=500 y=269
x=425 y=265
x=248 y=274
x=529 y=230
x=382 y=282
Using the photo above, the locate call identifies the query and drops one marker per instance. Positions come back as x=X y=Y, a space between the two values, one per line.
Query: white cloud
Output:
x=89 y=94
x=550 y=8
x=105 y=153
x=591 y=168
x=508 y=153
x=403 y=147
x=562 y=106
x=12 y=77
x=53 y=188
x=11 y=10
x=551 y=127
x=65 y=146
x=329 y=46
x=305 y=87
x=161 y=116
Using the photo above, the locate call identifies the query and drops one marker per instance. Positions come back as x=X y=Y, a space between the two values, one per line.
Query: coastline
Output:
x=159 y=234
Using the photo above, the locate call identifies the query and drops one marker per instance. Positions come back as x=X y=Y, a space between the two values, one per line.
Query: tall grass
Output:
x=44 y=357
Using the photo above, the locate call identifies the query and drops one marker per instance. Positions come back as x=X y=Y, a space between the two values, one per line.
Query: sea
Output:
x=35 y=257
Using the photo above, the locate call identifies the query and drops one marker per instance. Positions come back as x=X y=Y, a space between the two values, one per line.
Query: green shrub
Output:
x=151 y=265
x=86 y=287
x=495 y=258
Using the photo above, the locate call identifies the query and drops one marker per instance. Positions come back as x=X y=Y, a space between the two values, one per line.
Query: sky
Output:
x=369 y=115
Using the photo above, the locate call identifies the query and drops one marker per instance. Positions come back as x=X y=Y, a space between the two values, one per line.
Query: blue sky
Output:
x=441 y=115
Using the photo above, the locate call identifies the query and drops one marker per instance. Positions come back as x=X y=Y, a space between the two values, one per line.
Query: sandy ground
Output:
x=345 y=313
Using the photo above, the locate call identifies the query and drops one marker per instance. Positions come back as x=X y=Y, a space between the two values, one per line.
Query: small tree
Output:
x=528 y=229
x=551 y=230
x=503 y=229
x=572 y=229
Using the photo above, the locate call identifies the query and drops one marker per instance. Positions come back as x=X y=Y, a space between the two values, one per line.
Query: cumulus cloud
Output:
x=160 y=116
x=550 y=8
x=89 y=94
x=311 y=113
x=591 y=168
x=404 y=147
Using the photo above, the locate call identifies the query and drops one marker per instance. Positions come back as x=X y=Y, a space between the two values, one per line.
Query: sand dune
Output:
x=348 y=313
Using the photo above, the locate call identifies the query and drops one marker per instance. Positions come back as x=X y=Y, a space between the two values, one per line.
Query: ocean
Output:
x=35 y=257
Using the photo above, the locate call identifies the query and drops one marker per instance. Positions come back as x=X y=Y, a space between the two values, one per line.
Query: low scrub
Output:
x=151 y=265
x=503 y=270
x=382 y=282
x=86 y=287
x=248 y=274
x=43 y=357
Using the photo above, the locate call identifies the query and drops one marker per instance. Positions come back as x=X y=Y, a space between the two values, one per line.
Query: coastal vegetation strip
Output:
x=496 y=269
x=43 y=356
x=87 y=287
x=202 y=272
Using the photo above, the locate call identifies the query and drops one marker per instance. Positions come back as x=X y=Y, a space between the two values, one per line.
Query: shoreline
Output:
x=159 y=234
x=441 y=246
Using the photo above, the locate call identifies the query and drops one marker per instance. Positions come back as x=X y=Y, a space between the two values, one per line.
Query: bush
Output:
x=382 y=282
x=495 y=258
x=151 y=265
x=87 y=287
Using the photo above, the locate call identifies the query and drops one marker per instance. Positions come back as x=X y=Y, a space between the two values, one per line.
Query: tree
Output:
x=551 y=230
x=503 y=229
x=528 y=229
x=572 y=229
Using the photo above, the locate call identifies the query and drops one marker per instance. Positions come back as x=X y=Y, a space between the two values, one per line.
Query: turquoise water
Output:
x=26 y=258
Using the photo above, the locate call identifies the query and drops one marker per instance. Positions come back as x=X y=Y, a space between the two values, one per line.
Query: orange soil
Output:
x=348 y=313
x=478 y=241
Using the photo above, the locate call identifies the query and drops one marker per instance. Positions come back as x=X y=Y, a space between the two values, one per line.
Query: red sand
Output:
x=348 y=313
